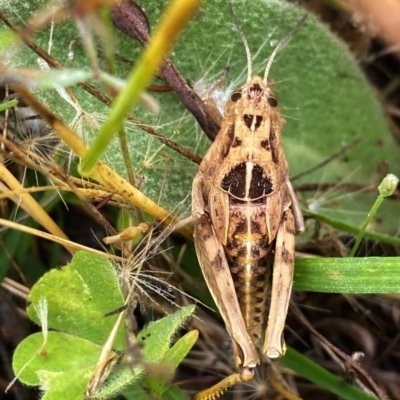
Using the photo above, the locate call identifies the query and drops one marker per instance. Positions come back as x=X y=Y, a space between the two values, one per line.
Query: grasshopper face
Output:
x=244 y=209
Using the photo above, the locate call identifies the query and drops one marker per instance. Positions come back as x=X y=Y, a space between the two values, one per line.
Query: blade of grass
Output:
x=348 y=275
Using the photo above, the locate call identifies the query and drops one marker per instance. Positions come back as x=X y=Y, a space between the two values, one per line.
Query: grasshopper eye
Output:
x=236 y=96
x=272 y=101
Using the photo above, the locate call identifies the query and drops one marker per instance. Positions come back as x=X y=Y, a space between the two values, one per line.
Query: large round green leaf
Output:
x=324 y=98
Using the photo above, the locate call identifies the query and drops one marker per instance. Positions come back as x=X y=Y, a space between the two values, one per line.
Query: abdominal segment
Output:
x=246 y=250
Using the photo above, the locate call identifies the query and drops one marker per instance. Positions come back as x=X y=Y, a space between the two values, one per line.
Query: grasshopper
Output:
x=244 y=210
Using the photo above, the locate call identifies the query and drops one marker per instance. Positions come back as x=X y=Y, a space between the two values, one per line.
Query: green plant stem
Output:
x=343 y=227
x=386 y=188
x=125 y=155
x=367 y=220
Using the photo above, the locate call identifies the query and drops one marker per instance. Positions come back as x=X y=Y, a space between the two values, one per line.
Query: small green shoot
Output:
x=386 y=188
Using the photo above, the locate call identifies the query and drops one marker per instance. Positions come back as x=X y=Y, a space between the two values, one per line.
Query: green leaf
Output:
x=156 y=338
x=74 y=299
x=348 y=275
x=180 y=349
x=322 y=93
x=174 y=392
x=62 y=366
x=157 y=335
x=119 y=380
x=135 y=392
x=78 y=297
x=172 y=359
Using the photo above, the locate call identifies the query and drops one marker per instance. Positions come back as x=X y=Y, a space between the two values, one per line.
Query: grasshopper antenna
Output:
x=281 y=44
x=244 y=40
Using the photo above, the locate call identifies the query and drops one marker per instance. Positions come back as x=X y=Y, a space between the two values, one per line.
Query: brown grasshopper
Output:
x=244 y=210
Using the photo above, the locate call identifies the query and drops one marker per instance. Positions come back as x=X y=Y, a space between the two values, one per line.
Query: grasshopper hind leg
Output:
x=221 y=387
x=282 y=279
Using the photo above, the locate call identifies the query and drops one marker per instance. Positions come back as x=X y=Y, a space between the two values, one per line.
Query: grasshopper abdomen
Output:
x=247 y=249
